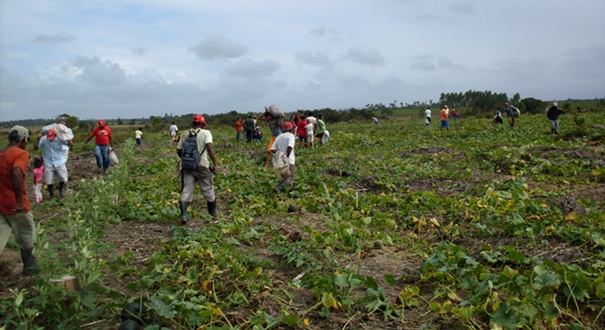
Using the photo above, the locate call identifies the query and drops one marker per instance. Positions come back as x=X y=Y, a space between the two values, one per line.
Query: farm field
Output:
x=394 y=226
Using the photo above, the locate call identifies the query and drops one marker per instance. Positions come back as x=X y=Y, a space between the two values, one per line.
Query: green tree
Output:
x=70 y=121
x=533 y=105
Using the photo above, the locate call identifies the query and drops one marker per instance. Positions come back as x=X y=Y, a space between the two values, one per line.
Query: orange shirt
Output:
x=443 y=114
x=238 y=126
x=12 y=158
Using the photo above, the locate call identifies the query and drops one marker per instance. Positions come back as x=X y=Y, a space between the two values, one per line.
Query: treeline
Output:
x=470 y=103
x=482 y=102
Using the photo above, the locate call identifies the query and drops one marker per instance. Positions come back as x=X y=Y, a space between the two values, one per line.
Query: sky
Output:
x=127 y=59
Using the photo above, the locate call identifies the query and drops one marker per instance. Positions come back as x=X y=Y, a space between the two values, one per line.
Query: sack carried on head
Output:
x=190 y=155
x=281 y=164
x=274 y=111
x=64 y=133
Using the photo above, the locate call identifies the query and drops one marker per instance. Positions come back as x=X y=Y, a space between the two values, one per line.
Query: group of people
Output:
x=444 y=116
x=552 y=113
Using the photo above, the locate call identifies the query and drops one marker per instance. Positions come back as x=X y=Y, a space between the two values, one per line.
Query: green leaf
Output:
x=291 y=320
x=162 y=308
x=506 y=316
x=548 y=279
x=390 y=279
x=551 y=312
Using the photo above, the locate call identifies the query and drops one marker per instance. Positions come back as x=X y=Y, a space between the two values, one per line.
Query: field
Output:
x=394 y=226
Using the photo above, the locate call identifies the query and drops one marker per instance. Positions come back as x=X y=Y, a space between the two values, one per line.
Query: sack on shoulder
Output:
x=281 y=164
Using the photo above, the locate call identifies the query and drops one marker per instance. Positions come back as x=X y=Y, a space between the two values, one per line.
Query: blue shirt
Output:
x=510 y=111
x=52 y=151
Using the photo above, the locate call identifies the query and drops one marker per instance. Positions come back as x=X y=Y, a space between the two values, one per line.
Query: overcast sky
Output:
x=137 y=58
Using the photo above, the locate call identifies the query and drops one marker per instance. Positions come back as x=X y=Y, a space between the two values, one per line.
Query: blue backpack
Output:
x=190 y=156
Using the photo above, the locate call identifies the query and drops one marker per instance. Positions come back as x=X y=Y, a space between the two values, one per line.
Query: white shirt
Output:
x=173 y=129
x=427 y=112
x=282 y=142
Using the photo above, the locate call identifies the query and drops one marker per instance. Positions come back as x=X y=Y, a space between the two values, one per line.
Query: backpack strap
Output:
x=196 y=132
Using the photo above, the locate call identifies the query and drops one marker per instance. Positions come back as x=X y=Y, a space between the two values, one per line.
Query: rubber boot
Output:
x=51 y=191
x=29 y=262
x=212 y=208
x=62 y=189
x=184 y=217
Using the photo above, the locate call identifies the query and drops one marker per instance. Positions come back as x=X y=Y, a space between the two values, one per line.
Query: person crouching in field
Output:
x=285 y=143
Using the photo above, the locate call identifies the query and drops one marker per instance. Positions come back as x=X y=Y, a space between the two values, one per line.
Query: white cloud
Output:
x=218 y=46
x=250 y=69
x=364 y=55
x=54 y=39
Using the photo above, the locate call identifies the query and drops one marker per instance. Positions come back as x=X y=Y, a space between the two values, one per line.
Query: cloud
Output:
x=319 y=59
x=93 y=71
x=429 y=62
x=462 y=7
x=366 y=56
x=218 y=46
x=139 y=51
x=318 y=31
x=250 y=69
x=59 y=38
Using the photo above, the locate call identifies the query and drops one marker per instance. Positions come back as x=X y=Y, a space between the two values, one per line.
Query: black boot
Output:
x=212 y=208
x=29 y=262
x=184 y=217
x=61 y=189
x=51 y=191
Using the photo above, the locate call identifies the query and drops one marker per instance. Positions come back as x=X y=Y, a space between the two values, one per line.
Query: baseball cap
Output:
x=51 y=134
x=101 y=122
x=18 y=133
x=199 y=119
x=288 y=125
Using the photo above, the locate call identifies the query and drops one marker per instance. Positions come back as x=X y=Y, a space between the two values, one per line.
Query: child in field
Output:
x=38 y=172
x=258 y=135
x=309 y=130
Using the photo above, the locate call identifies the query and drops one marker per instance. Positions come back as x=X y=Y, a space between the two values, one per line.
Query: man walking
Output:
x=553 y=113
x=444 y=118
x=249 y=127
x=54 y=160
x=285 y=143
x=194 y=148
x=103 y=139
x=15 y=214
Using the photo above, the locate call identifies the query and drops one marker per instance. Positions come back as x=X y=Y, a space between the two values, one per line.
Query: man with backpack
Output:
x=194 y=148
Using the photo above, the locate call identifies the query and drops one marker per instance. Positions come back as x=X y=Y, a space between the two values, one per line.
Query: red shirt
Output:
x=238 y=126
x=12 y=158
x=102 y=135
x=301 y=128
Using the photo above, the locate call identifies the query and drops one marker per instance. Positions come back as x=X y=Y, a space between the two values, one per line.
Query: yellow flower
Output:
x=306 y=322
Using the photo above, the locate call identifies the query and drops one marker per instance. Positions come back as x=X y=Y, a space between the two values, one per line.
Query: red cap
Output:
x=199 y=119
x=101 y=122
x=288 y=125
x=50 y=134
